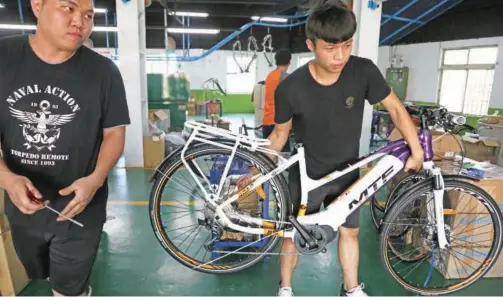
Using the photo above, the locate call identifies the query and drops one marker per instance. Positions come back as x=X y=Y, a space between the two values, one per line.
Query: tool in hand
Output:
x=34 y=199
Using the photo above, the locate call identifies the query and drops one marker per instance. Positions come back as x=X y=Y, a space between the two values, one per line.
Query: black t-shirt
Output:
x=51 y=125
x=327 y=120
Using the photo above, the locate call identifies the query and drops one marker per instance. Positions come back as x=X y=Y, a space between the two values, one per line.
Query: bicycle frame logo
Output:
x=370 y=190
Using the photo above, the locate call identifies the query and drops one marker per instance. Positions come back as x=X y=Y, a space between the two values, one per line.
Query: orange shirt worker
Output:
x=283 y=59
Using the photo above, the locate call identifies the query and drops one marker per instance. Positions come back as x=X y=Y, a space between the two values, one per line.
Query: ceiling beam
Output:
x=288 y=5
x=241 y=2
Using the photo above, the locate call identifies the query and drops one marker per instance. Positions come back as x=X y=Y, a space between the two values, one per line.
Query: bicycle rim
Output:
x=486 y=264
x=278 y=186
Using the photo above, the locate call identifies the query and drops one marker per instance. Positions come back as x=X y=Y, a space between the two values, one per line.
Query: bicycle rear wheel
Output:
x=187 y=212
x=434 y=277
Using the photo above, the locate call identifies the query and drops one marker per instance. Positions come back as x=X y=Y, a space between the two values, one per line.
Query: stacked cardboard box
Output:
x=191 y=107
x=13 y=277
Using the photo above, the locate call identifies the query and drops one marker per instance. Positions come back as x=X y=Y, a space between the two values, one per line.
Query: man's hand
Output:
x=403 y=122
x=415 y=162
x=84 y=189
x=245 y=180
x=20 y=189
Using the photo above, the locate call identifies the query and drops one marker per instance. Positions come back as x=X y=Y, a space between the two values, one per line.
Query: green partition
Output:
x=232 y=103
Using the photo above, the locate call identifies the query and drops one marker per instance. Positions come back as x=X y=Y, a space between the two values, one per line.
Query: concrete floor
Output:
x=132 y=262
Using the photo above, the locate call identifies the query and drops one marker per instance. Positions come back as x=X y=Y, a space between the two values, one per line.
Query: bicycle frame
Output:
x=393 y=158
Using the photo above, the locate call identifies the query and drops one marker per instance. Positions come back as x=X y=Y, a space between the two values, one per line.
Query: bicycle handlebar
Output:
x=455 y=119
x=437 y=115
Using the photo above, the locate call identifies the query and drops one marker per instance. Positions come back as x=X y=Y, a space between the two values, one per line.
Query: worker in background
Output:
x=283 y=59
x=63 y=110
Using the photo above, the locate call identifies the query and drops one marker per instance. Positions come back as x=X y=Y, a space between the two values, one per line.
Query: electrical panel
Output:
x=398 y=79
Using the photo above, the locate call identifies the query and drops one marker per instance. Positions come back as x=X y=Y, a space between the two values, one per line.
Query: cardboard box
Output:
x=191 y=108
x=445 y=146
x=494 y=120
x=153 y=151
x=481 y=149
x=13 y=277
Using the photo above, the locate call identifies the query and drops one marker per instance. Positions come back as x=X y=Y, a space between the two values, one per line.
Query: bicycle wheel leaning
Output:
x=224 y=256
x=399 y=185
x=422 y=238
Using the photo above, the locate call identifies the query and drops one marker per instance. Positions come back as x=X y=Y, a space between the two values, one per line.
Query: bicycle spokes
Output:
x=413 y=251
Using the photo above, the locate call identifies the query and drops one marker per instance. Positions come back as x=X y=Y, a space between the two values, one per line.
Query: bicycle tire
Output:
x=426 y=187
x=397 y=190
x=263 y=163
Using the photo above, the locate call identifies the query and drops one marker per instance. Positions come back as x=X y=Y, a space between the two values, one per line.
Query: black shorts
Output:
x=323 y=195
x=66 y=260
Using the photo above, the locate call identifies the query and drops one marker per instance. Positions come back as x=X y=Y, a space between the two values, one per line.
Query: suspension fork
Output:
x=435 y=206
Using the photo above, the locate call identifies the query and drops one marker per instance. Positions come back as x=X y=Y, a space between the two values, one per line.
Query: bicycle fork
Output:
x=435 y=206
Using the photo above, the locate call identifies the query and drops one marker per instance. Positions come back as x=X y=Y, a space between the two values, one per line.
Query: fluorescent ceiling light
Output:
x=33 y=27
x=190 y=14
x=269 y=19
x=100 y=10
x=192 y=30
x=2 y=5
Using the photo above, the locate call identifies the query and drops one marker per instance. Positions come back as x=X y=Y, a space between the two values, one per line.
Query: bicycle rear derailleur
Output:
x=312 y=239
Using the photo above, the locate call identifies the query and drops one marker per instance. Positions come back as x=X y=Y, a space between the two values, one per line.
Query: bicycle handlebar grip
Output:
x=455 y=119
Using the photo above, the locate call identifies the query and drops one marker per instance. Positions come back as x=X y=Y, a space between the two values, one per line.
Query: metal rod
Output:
x=116 y=35
x=20 y=9
x=387 y=16
x=58 y=213
x=417 y=19
x=227 y=40
x=400 y=11
x=189 y=37
x=106 y=23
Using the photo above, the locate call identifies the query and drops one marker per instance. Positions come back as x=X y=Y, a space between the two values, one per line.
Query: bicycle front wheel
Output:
x=475 y=241
x=184 y=222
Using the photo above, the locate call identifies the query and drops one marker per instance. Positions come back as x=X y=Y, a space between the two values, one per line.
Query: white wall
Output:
x=211 y=66
x=423 y=61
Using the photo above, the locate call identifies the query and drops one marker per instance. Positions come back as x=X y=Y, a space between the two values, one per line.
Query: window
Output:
x=240 y=81
x=467 y=79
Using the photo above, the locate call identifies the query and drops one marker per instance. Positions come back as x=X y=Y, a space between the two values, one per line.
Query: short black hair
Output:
x=331 y=21
x=283 y=57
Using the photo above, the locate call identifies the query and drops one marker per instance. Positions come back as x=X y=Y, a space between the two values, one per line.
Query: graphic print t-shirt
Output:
x=51 y=122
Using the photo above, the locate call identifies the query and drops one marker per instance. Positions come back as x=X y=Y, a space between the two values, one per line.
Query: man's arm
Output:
x=403 y=122
x=279 y=136
x=377 y=89
x=110 y=151
x=115 y=117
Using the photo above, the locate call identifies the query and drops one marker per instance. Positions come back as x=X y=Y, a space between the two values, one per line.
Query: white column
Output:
x=366 y=45
x=131 y=49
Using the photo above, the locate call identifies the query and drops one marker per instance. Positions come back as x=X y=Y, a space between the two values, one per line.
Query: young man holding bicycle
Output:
x=323 y=102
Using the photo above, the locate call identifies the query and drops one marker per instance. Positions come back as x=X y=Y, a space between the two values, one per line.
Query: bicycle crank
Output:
x=322 y=235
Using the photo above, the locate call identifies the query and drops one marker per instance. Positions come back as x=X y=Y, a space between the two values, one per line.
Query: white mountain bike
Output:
x=211 y=226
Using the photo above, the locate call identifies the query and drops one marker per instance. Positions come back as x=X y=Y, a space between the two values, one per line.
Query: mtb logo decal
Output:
x=372 y=188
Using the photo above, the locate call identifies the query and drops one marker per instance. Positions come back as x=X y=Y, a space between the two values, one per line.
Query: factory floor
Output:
x=132 y=262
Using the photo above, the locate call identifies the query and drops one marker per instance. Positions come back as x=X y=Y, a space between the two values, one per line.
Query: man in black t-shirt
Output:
x=63 y=113
x=323 y=101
